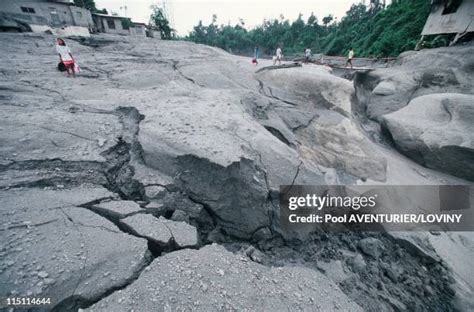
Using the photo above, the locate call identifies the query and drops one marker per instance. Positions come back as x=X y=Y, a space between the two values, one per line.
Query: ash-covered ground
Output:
x=150 y=182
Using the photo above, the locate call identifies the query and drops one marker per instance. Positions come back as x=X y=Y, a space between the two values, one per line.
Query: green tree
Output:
x=159 y=20
x=88 y=4
x=312 y=20
x=374 y=30
x=327 y=19
x=102 y=11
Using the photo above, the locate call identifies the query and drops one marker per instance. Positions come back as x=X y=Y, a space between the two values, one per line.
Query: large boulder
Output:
x=385 y=90
x=236 y=194
x=437 y=131
x=217 y=151
x=318 y=109
x=335 y=141
x=311 y=87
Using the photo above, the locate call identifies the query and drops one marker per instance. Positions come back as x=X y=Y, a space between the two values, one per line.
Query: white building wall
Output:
x=42 y=12
x=457 y=22
x=102 y=23
x=138 y=31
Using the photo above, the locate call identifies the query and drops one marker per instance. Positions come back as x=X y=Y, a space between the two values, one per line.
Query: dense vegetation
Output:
x=90 y=5
x=372 y=30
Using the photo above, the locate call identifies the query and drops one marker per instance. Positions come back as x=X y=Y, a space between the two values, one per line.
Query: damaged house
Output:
x=61 y=17
x=119 y=25
x=138 y=29
x=450 y=17
x=112 y=24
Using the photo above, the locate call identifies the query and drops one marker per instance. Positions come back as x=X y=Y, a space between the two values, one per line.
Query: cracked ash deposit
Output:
x=150 y=182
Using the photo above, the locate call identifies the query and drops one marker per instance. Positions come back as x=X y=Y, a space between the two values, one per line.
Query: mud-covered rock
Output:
x=184 y=235
x=52 y=248
x=334 y=141
x=117 y=209
x=222 y=189
x=310 y=86
x=179 y=215
x=371 y=247
x=358 y=263
x=155 y=191
x=437 y=131
x=213 y=279
x=161 y=231
x=451 y=248
x=149 y=227
x=383 y=91
x=386 y=90
x=173 y=201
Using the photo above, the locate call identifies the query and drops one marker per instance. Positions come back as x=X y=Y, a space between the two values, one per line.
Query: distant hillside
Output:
x=371 y=31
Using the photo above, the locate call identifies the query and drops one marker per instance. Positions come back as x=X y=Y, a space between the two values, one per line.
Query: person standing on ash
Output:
x=255 y=56
x=278 y=57
x=350 y=56
x=307 y=55
x=65 y=57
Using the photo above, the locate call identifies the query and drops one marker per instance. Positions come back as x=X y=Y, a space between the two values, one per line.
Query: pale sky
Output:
x=184 y=14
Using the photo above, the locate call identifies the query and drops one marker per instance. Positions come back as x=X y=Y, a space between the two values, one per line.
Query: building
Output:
x=61 y=17
x=450 y=17
x=119 y=25
x=153 y=32
x=138 y=30
x=112 y=24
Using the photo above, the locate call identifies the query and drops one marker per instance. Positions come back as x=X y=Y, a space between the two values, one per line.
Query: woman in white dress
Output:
x=65 y=56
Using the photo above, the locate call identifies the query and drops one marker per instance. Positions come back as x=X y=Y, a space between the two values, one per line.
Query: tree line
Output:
x=373 y=30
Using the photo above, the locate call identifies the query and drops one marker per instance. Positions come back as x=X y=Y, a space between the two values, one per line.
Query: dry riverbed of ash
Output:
x=150 y=182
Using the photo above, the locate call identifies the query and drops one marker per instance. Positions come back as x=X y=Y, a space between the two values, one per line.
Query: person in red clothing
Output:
x=65 y=56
